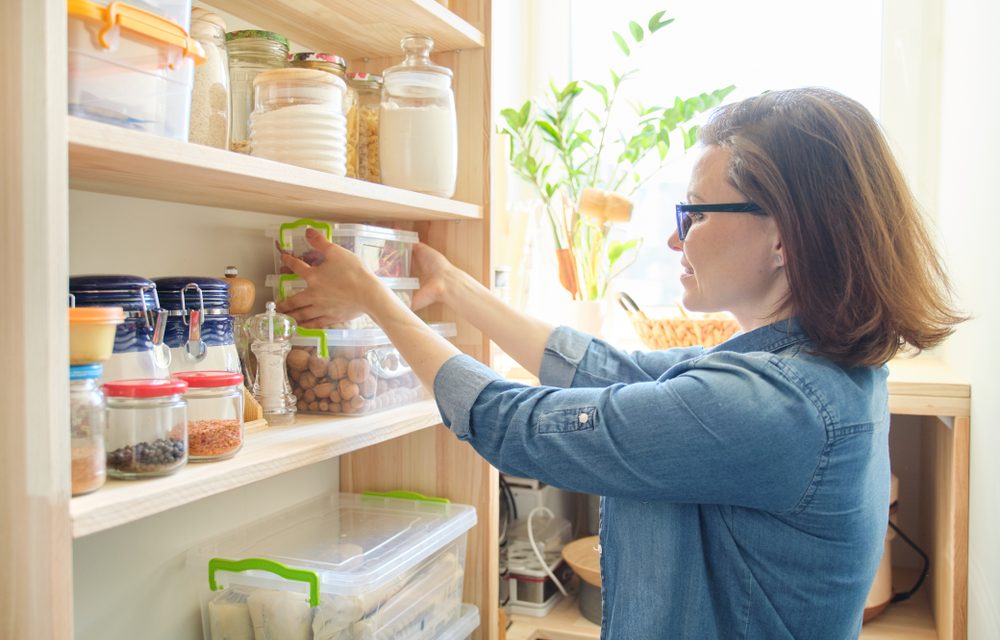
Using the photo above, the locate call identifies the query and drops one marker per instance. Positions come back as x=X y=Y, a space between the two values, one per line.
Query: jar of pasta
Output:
x=369 y=95
x=251 y=51
x=338 y=67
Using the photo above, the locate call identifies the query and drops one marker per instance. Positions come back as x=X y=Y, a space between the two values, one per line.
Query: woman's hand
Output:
x=432 y=269
x=339 y=289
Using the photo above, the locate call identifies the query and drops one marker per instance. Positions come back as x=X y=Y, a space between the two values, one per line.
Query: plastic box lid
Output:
x=354 y=543
x=373 y=337
x=286 y=283
x=462 y=628
x=341 y=229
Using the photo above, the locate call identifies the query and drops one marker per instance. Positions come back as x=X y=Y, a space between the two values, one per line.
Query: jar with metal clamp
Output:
x=139 y=349
x=199 y=327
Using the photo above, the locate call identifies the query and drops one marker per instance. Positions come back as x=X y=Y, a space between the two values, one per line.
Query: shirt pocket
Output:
x=566 y=420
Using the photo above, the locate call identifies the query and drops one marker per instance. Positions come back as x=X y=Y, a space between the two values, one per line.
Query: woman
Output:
x=746 y=486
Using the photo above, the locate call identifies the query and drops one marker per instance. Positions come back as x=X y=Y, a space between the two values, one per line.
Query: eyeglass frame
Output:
x=684 y=208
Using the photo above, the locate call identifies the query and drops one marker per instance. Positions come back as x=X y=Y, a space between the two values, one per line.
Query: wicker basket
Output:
x=678 y=331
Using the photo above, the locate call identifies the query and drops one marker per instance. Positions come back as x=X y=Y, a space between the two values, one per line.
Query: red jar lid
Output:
x=201 y=379
x=145 y=388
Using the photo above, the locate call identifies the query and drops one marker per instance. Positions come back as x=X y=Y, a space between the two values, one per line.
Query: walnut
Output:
x=357 y=403
x=348 y=389
x=298 y=359
x=309 y=395
x=358 y=369
x=369 y=387
x=334 y=407
x=314 y=406
x=337 y=368
x=324 y=406
x=307 y=380
x=317 y=366
x=335 y=393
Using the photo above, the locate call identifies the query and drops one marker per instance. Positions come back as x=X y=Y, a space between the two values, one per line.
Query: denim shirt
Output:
x=745 y=487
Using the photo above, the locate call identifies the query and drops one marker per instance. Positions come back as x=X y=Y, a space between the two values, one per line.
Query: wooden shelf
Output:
x=352 y=29
x=265 y=454
x=110 y=159
x=925 y=386
x=910 y=620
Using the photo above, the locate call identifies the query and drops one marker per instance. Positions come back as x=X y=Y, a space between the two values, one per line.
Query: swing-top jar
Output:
x=418 y=129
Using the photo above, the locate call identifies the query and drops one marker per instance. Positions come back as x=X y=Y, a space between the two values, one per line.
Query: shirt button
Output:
x=583 y=418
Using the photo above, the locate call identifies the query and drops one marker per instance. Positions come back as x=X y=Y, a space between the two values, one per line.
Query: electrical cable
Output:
x=538 y=554
x=903 y=595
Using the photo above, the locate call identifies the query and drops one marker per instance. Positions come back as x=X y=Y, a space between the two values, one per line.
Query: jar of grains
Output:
x=250 y=52
x=338 y=67
x=369 y=90
x=215 y=413
x=86 y=411
x=297 y=119
x=418 y=137
x=147 y=427
x=210 y=95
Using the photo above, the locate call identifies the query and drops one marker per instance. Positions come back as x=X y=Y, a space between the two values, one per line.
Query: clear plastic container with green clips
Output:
x=285 y=285
x=339 y=566
x=387 y=252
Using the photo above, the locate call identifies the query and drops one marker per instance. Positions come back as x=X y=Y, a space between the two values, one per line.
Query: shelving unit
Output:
x=45 y=154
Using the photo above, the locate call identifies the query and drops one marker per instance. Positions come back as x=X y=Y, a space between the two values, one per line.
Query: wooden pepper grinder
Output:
x=605 y=206
x=242 y=292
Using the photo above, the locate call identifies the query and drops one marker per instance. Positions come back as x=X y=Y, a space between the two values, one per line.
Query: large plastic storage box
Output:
x=285 y=285
x=462 y=628
x=387 y=252
x=343 y=566
x=352 y=371
x=132 y=64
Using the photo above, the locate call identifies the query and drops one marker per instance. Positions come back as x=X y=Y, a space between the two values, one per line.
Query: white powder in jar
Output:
x=418 y=148
x=210 y=101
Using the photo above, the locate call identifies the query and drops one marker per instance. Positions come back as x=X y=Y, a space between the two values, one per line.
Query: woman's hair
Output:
x=864 y=275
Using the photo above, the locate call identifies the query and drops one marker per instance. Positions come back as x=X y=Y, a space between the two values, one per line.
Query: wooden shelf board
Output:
x=266 y=453
x=354 y=29
x=115 y=160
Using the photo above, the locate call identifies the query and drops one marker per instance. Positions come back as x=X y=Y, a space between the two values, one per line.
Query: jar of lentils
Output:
x=215 y=414
x=369 y=97
x=250 y=52
x=338 y=67
x=86 y=410
x=147 y=427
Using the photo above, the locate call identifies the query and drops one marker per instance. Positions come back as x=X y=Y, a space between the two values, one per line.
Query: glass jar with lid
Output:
x=297 y=119
x=250 y=52
x=86 y=411
x=210 y=95
x=147 y=427
x=338 y=67
x=418 y=128
x=369 y=90
x=214 y=412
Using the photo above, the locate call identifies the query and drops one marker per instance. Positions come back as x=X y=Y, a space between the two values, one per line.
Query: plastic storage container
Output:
x=132 y=65
x=369 y=91
x=214 y=412
x=468 y=621
x=338 y=67
x=387 y=252
x=286 y=285
x=210 y=106
x=351 y=371
x=139 y=349
x=92 y=333
x=250 y=52
x=199 y=329
x=298 y=119
x=86 y=410
x=147 y=427
x=418 y=128
x=341 y=566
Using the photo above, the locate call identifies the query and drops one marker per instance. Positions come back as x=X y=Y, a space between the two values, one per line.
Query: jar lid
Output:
x=145 y=388
x=417 y=49
x=85 y=371
x=214 y=292
x=204 y=379
x=363 y=77
x=297 y=75
x=96 y=315
x=313 y=56
x=197 y=13
x=133 y=293
x=256 y=34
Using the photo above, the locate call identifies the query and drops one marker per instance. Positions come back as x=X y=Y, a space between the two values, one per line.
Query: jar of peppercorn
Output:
x=215 y=414
x=147 y=427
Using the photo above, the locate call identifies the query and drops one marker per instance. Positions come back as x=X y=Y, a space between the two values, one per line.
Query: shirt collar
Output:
x=772 y=338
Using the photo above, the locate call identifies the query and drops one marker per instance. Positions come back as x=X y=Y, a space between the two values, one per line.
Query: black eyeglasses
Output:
x=684 y=211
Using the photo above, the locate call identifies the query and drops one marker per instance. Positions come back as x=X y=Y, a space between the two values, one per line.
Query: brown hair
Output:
x=864 y=275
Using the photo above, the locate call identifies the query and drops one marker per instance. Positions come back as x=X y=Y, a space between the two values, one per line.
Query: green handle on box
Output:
x=263 y=564
x=405 y=495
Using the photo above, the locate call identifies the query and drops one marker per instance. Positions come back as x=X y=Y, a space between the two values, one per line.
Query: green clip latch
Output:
x=405 y=495
x=263 y=564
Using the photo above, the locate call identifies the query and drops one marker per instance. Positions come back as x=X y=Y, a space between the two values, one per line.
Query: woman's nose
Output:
x=674 y=241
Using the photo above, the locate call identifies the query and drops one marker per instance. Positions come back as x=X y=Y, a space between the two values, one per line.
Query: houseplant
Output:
x=561 y=146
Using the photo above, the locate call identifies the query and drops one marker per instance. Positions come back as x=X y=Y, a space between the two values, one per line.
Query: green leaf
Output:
x=662 y=149
x=550 y=131
x=657 y=22
x=513 y=118
x=637 y=33
x=615 y=79
x=617 y=249
x=525 y=112
x=621 y=43
x=601 y=89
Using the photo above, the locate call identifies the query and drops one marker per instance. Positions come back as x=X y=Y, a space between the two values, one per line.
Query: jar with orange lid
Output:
x=338 y=67
x=92 y=333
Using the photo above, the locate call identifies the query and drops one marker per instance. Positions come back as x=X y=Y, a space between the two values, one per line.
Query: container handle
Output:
x=72 y=300
x=403 y=494
x=270 y=566
x=325 y=227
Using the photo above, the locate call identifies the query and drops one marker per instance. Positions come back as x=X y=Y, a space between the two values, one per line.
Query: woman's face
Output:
x=732 y=261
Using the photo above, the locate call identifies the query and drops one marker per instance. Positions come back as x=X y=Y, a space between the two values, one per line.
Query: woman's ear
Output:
x=779 y=253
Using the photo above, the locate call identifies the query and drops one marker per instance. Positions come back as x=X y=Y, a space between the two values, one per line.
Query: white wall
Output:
x=969 y=214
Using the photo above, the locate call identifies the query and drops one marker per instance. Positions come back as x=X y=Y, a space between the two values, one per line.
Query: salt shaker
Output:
x=271 y=334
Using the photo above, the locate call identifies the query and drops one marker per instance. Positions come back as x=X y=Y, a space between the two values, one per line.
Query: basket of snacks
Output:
x=683 y=330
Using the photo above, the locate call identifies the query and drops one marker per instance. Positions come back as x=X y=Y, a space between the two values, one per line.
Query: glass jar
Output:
x=250 y=52
x=147 y=427
x=369 y=91
x=297 y=119
x=86 y=410
x=215 y=414
x=418 y=128
x=338 y=67
x=210 y=95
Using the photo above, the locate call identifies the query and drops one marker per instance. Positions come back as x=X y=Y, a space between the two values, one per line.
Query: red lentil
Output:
x=214 y=438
